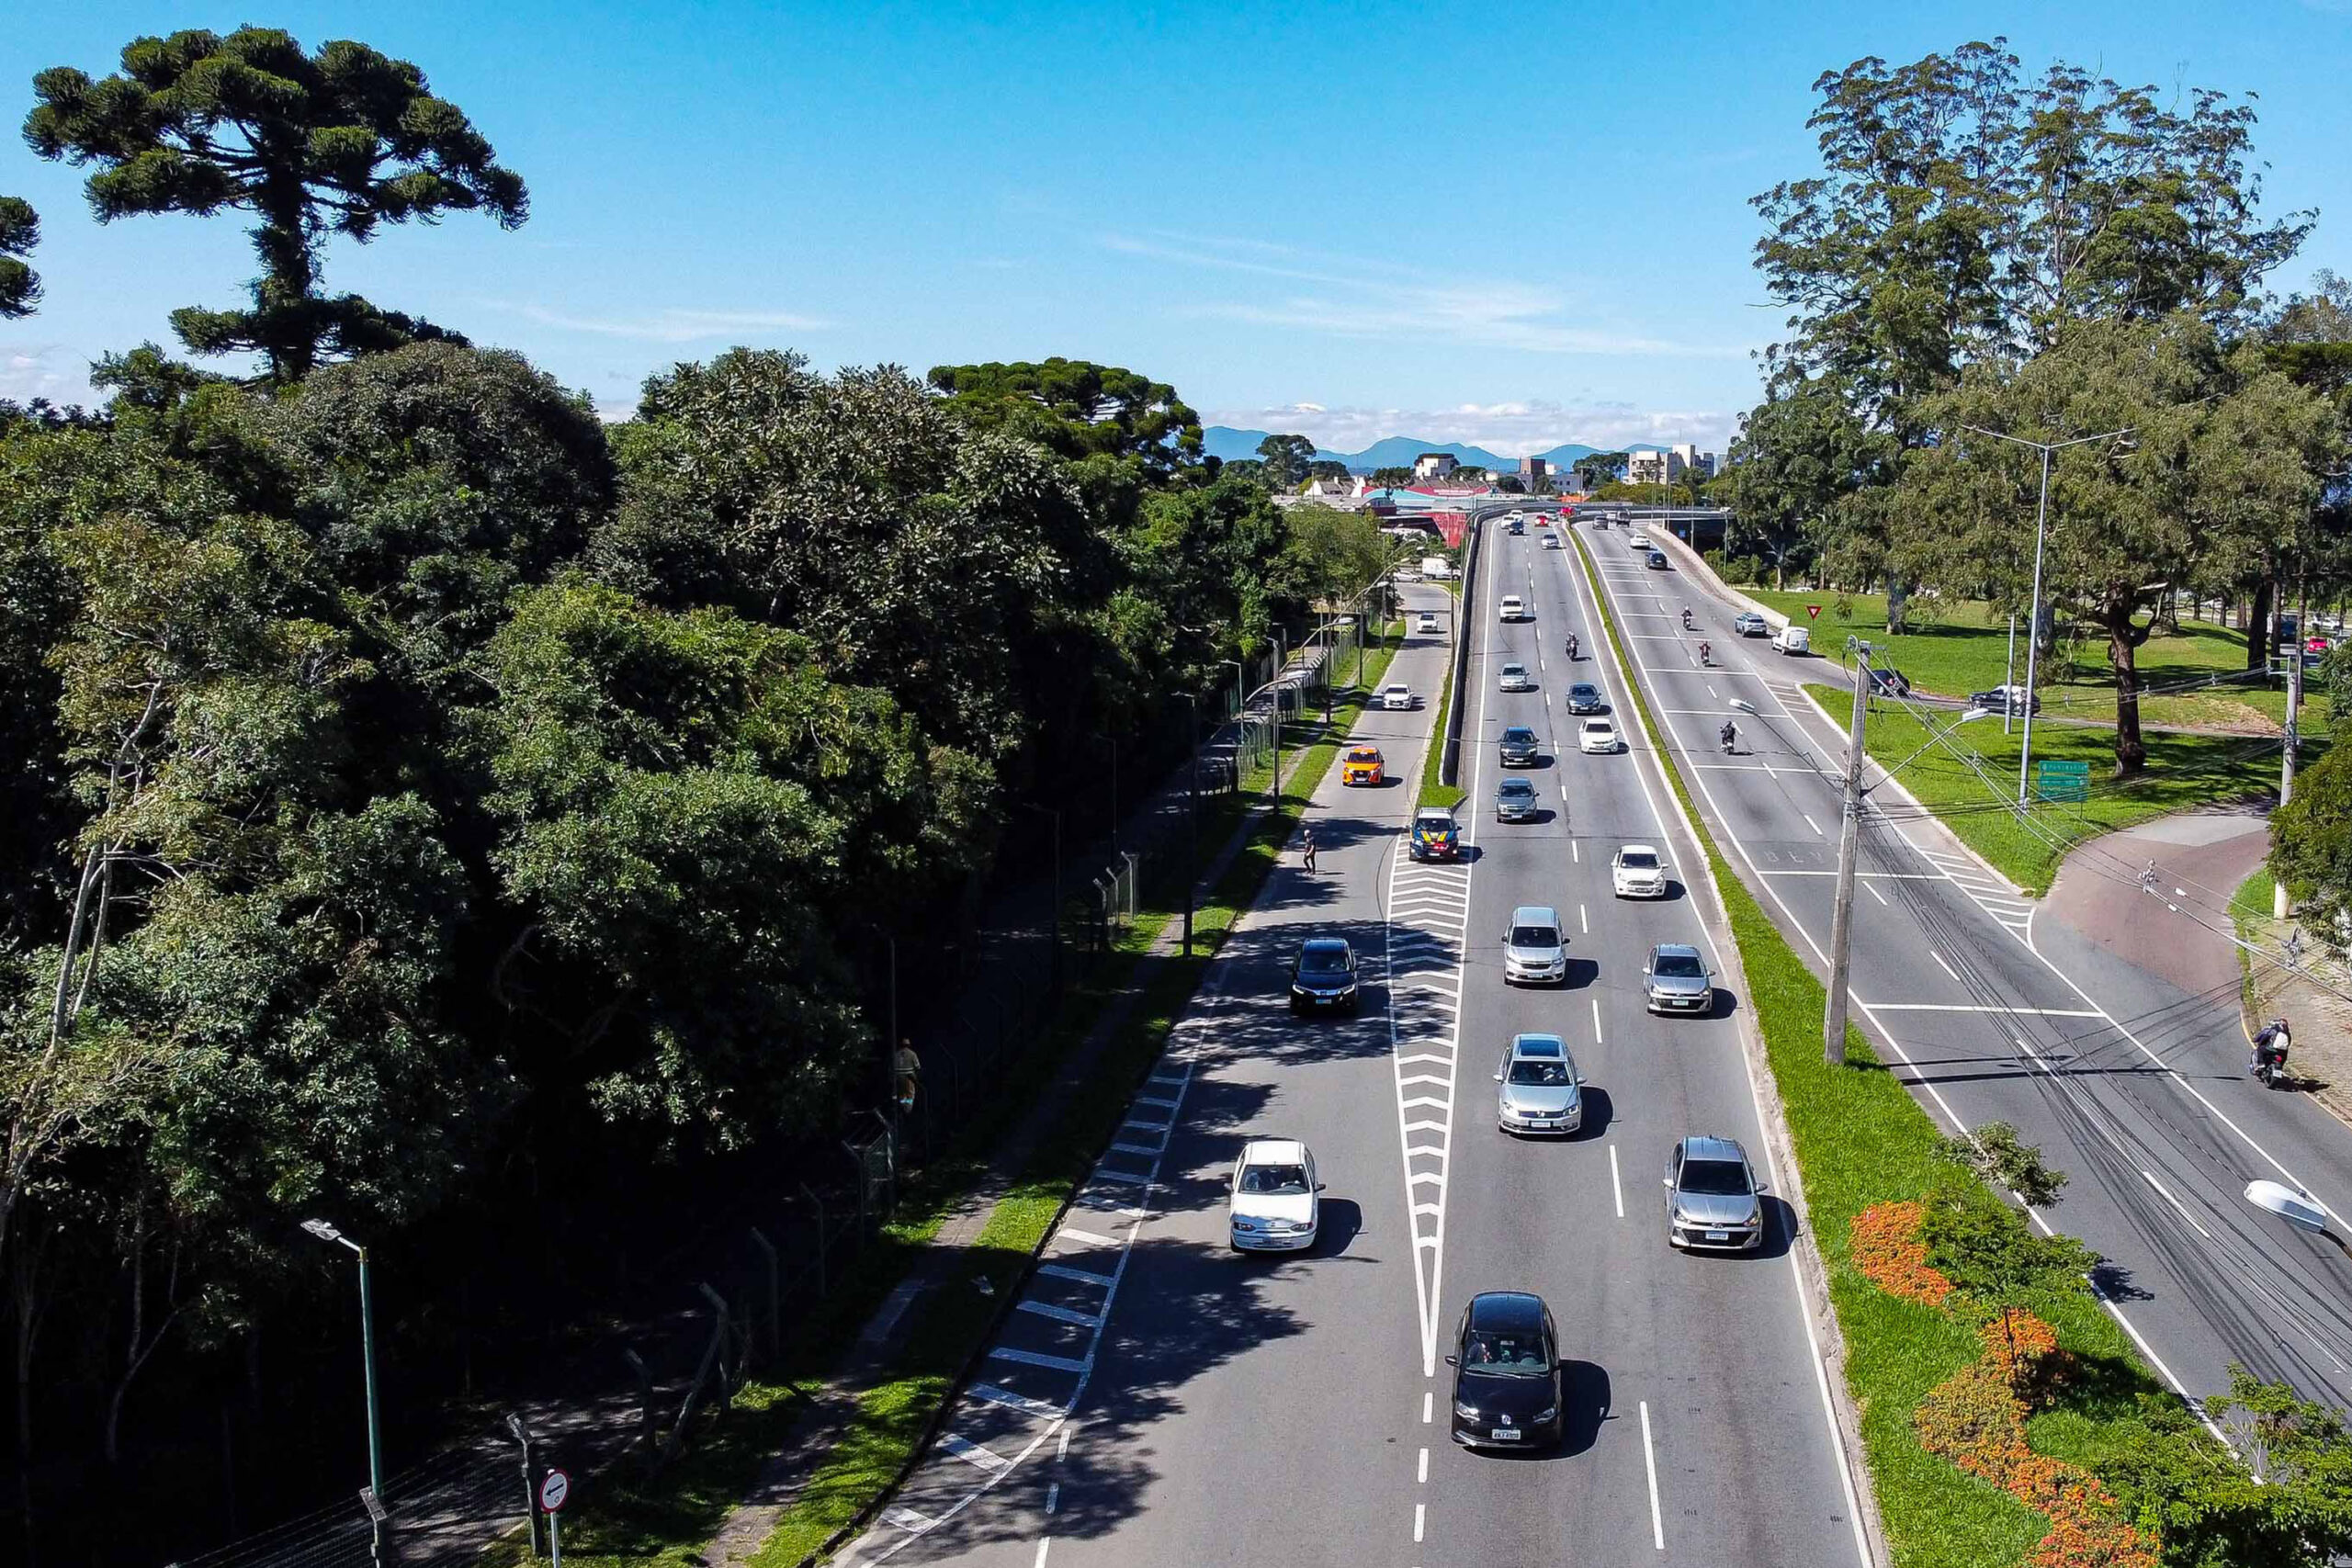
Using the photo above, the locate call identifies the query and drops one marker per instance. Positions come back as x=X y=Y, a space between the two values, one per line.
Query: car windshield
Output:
x=1678 y=966
x=1551 y=1073
x=1535 y=936
x=1274 y=1180
x=1583 y=691
x=1715 y=1178
x=1323 y=960
x=1363 y=754
x=1595 y=727
x=1504 y=1354
x=1514 y=669
x=1638 y=859
x=1515 y=788
x=1515 y=733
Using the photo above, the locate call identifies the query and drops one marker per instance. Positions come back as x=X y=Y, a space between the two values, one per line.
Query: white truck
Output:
x=1435 y=568
x=1792 y=638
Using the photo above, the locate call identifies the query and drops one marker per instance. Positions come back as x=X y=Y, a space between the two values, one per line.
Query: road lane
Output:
x=2089 y=1059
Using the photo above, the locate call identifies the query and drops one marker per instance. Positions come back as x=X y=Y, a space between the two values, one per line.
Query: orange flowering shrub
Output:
x=2018 y=1346
x=1974 y=1419
x=1887 y=1249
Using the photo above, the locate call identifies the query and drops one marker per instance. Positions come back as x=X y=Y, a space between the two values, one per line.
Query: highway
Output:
x=1994 y=1011
x=1158 y=1400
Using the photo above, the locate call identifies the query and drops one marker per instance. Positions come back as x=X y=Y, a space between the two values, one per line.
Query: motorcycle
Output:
x=1686 y=620
x=1572 y=649
x=1729 y=736
x=2271 y=1054
x=1706 y=656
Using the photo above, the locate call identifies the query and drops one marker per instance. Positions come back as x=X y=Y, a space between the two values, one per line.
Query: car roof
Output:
x=1705 y=1147
x=1595 y=722
x=1523 y=1310
x=1324 y=944
x=1547 y=1045
x=1516 y=730
x=1358 y=753
x=1535 y=915
x=1517 y=786
x=1514 y=664
x=1674 y=950
x=1582 y=686
x=1274 y=1151
x=1432 y=814
x=1637 y=849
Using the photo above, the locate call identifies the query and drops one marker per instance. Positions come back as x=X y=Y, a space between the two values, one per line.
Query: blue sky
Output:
x=1508 y=224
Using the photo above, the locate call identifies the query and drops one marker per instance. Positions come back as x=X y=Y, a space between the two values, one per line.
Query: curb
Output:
x=1812 y=1272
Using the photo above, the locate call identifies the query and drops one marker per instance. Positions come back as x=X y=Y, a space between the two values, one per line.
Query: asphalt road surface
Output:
x=1996 y=1011
x=1159 y=1400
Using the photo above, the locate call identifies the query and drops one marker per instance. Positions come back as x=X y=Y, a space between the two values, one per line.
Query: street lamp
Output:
x=2041 y=529
x=326 y=1231
x=2300 y=1210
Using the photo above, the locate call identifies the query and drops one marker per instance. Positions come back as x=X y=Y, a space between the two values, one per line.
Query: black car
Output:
x=1323 y=976
x=2004 y=699
x=1656 y=561
x=1506 y=1366
x=1519 y=749
x=1585 y=697
x=1889 y=682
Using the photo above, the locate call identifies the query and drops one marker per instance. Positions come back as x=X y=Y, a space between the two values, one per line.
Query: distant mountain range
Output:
x=1228 y=445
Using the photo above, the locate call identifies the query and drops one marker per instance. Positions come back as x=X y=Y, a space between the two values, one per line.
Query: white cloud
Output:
x=1507 y=429
x=1384 y=301
x=674 y=324
x=43 y=371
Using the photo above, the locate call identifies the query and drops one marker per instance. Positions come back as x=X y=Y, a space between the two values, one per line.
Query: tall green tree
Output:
x=332 y=143
x=1597 y=468
x=1799 y=468
x=1076 y=409
x=1287 y=459
x=19 y=232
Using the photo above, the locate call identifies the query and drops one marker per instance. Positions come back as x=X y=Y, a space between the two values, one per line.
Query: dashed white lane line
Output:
x=1429 y=1405
x=1596 y=1020
x=1616 y=1186
x=1420 y=1518
x=1812 y=824
x=1043 y=1542
x=1945 y=968
x=1583 y=924
x=1875 y=894
x=1572 y=849
x=1423 y=1477
x=1053 y=1496
x=1649 y=1459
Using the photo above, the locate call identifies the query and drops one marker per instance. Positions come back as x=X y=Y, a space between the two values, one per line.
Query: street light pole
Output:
x=1842 y=920
x=2041 y=534
x=1192 y=815
x=326 y=1231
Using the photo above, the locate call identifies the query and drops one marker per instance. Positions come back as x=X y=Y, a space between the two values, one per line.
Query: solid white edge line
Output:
x=1797 y=1276
x=1649 y=1462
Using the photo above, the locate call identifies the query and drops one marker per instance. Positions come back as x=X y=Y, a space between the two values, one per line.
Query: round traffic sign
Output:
x=554 y=1487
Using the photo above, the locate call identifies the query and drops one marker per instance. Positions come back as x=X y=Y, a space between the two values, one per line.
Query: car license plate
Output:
x=1719 y=1235
x=1504 y=1435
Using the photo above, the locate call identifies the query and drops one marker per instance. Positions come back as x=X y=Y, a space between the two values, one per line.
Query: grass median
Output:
x=2183 y=772
x=1862 y=1140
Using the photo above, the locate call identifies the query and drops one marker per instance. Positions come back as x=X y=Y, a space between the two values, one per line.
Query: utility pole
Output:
x=1192 y=815
x=2278 y=904
x=1850 y=828
x=1282 y=664
x=2008 y=707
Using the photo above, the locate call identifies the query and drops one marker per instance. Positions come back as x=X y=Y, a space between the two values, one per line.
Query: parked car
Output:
x=1675 y=979
x=1792 y=639
x=1363 y=765
x=1513 y=608
x=1889 y=682
x=1536 y=950
x=1273 y=1206
x=1435 y=836
x=1515 y=678
x=1397 y=695
x=1519 y=747
x=1597 y=737
x=1506 y=1365
x=1747 y=622
x=1323 y=975
x=1638 y=873
x=1656 y=561
x=1585 y=697
x=1712 y=1196
x=1515 y=801
x=2004 y=699
x=1541 y=1092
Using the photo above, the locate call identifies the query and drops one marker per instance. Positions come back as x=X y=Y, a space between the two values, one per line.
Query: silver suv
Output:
x=1541 y=1092
x=1675 y=979
x=1712 y=1199
x=1535 y=952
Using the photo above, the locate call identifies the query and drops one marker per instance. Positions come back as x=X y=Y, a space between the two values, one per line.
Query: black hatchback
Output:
x=1507 y=1368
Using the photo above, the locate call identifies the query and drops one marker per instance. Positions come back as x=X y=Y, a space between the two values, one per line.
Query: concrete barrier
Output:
x=1692 y=564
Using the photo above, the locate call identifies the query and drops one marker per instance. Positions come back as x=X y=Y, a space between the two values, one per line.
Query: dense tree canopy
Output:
x=19 y=232
x=335 y=142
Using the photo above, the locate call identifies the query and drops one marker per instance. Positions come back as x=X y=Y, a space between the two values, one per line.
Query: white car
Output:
x=1597 y=737
x=1639 y=541
x=1551 y=541
x=1397 y=695
x=1273 y=1206
x=1426 y=621
x=1638 y=873
x=1515 y=678
x=1513 y=608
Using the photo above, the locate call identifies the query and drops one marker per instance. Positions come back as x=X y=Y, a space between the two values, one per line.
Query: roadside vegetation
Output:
x=2183 y=772
x=2006 y=1418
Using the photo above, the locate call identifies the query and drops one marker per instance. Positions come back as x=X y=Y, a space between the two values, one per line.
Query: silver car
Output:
x=1535 y=952
x=1515 y=678
x=1675 y=979
x=1712 y=1199
x=1515 y=801
x=1541 y=1092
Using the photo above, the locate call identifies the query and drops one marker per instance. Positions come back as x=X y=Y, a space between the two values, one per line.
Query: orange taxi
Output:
x=1362 y=765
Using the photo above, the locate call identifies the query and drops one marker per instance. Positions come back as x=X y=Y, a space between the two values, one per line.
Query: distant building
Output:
x=1534 y=469
x=1667 y=466
x=1433 y=465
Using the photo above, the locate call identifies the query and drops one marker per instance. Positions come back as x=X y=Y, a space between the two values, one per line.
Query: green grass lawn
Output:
x=2184 y=771
x=1954 y=650
x=1861 y=1139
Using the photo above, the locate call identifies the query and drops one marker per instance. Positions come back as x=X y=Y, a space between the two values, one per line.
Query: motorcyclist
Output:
x=1572 y=644
x=2270 y=1046
x=1728 y=735
x=1686 y=617
x=1706 y=653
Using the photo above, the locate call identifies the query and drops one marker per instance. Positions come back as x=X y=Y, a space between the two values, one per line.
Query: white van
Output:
x=1792 y=638
x=1435 y=568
